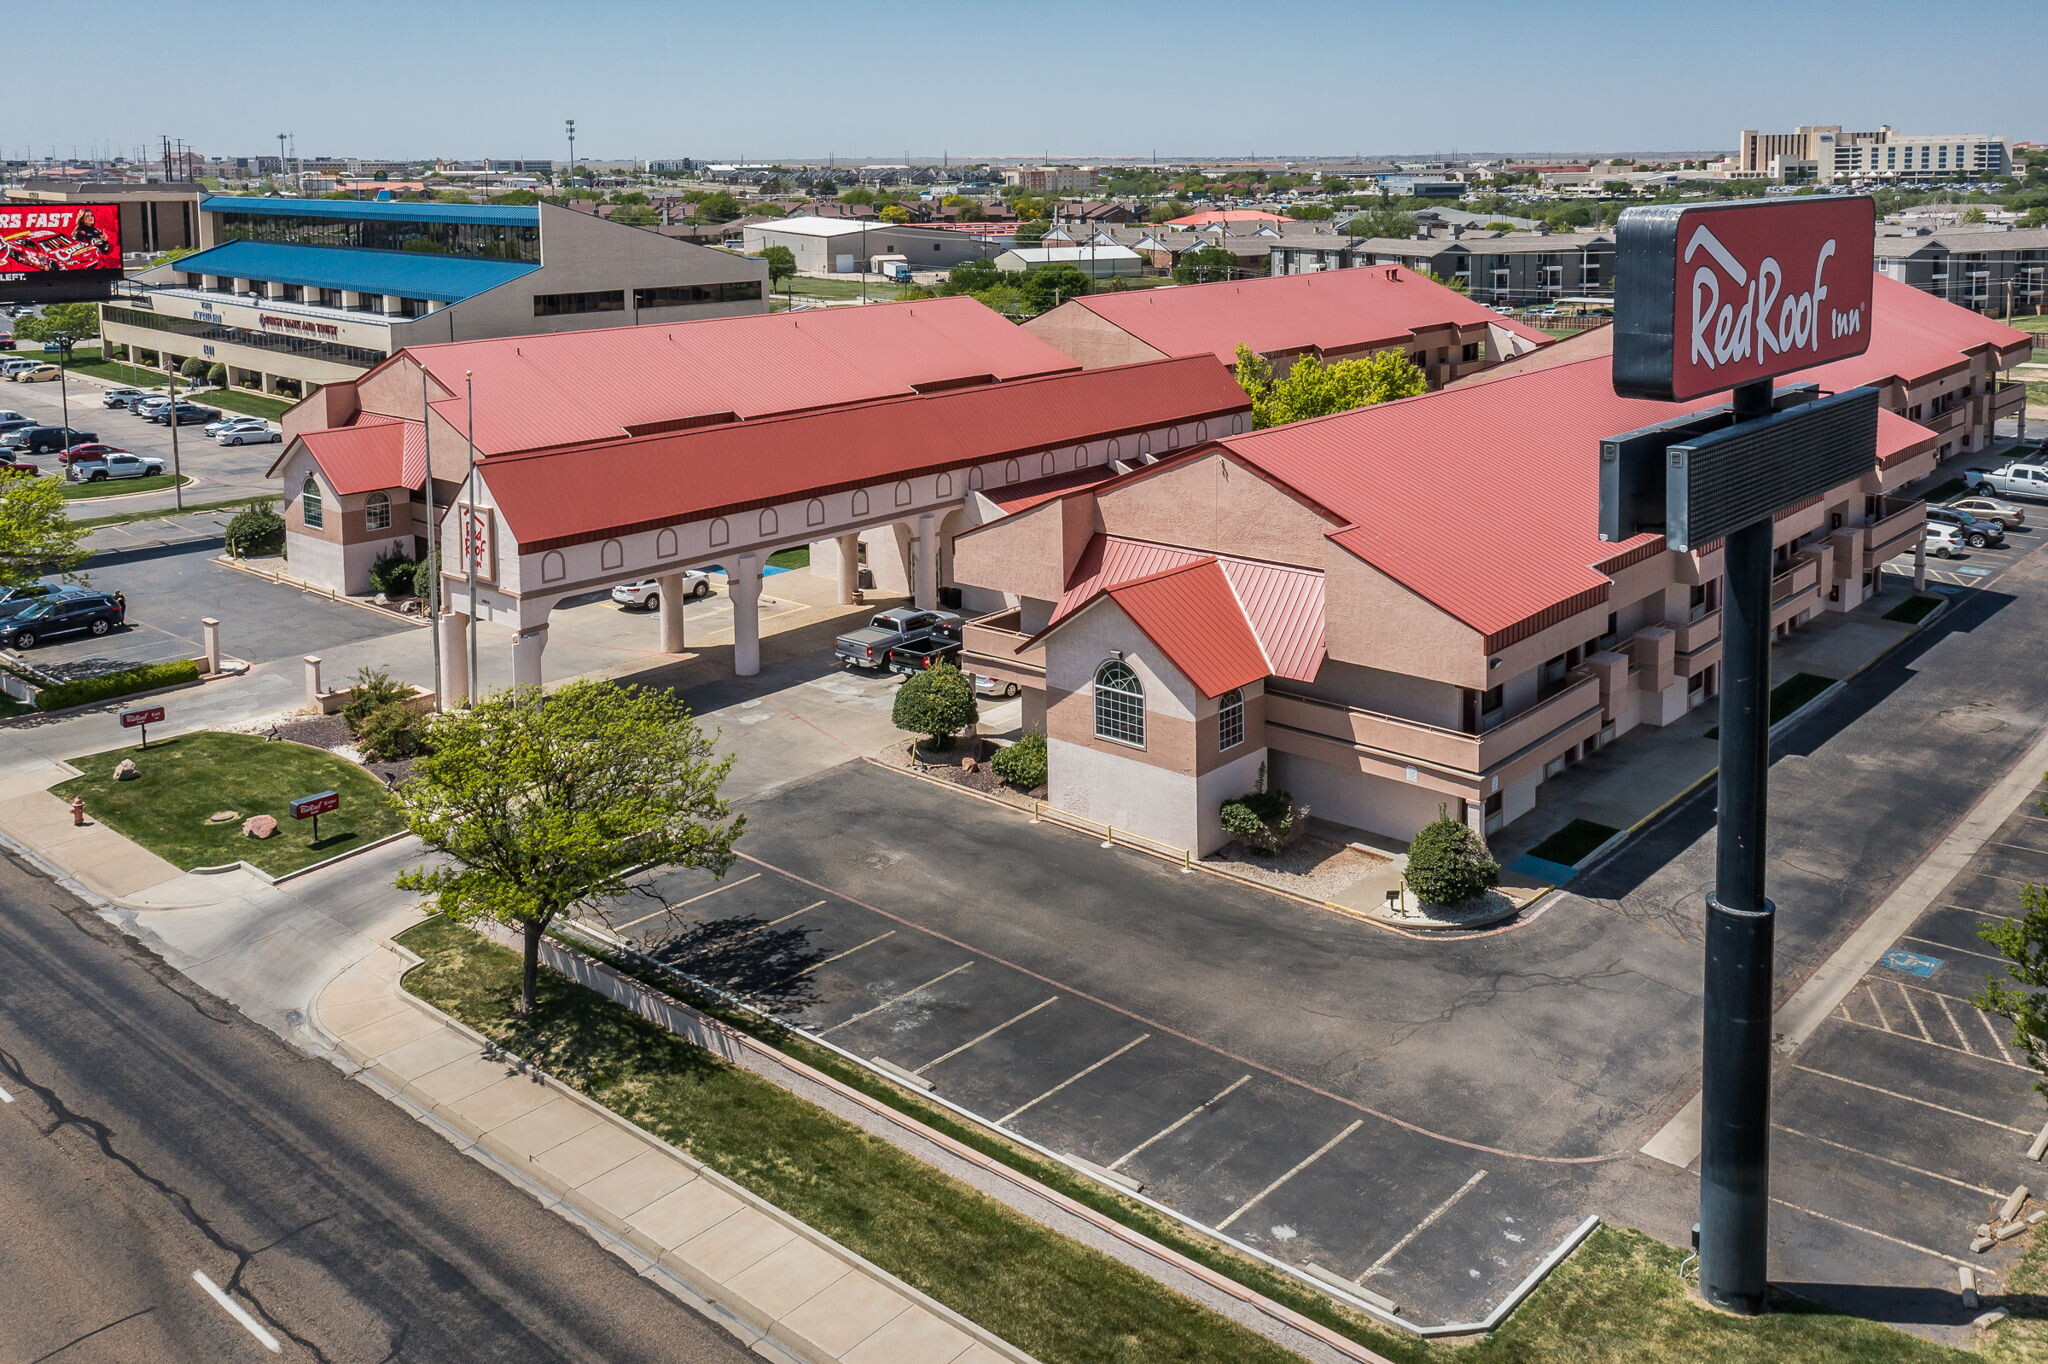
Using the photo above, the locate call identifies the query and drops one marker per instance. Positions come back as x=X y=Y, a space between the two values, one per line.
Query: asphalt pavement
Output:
x=177 y=1184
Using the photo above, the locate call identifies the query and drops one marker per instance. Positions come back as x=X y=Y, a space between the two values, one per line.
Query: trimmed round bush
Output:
x=391 y=733
x=937 y=703
x=1448 y=864
x=1023 y=763
x=392 y=573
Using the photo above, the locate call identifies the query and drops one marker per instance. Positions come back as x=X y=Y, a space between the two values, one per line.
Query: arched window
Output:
x=770 y=523
x=611 y=554
x=1011 y=472
x=309 y=505
x=903 y=494
x=814 y=512
x=553 y=567
x=720 y=532
x=1047 y=465
x=1119 y=704
x=1230 y=720
x=377 y=512
x=860 y=501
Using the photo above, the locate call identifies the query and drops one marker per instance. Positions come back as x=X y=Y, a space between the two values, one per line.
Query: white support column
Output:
x=527 y=646
x=745 y=590
x=1919 y=567
x=671 y=592
x=453 y=683
x=925 y=588
x=849 y=567
x=211 y=627
x=312 y=662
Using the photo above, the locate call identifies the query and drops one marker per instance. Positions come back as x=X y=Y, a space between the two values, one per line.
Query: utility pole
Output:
x=177 y=473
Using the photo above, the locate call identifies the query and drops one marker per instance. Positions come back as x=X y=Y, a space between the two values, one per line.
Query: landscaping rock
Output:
x=969 y=765
x=259 y=826
x=126 y=770
x=223 y=816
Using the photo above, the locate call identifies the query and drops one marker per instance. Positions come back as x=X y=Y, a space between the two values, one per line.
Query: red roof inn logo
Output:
x=1711 y=296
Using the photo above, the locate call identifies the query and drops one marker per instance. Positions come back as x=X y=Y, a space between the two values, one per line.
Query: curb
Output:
x=241 y=566
x=21 y=721
x=293 y=875
x=191 y=480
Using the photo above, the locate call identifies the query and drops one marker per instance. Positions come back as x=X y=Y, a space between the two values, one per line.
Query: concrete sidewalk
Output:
x=765 y=1274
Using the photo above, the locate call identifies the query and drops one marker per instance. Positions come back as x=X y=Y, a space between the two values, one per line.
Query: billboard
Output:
x=1714 y=295
x=45 y=239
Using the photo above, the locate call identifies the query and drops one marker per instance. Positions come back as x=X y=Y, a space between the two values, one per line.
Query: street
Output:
x=180 y=1185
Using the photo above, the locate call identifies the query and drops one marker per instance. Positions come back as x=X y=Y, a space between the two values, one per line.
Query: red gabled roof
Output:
x=1333 y=310
x=376 y=453
x=564 y=387
x=1019 y=497
x=1190 y=614
x=614 y=487
x=1915 y=336
x=1226 y=215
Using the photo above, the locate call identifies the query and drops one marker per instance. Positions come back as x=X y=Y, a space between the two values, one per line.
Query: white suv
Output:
x=1943 y=540
x=645 y=594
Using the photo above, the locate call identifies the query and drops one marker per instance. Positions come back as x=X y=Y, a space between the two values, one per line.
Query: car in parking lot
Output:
x=984 y=685
x=644 y=594
x=185 y=414
x=88 y=450
x=120 y=397
x=2007 y=514
x=10 y=368
x=242 y=431
x=1974 y=533
x=17 y=599
x=10 y=465
x=114 y=464
x=61 y=613
x=37 y=374
x=144 y=406
x=1943 y=541
x=36 y=440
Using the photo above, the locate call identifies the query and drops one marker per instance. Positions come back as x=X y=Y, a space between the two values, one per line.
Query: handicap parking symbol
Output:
x=1912 y=963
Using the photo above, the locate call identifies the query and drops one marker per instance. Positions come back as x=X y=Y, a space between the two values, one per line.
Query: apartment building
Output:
x=1998 y=270
x=1829 y=155
x=1051 y=179
x=1518 y=268
x=290 y=294
x=1338 y=315
x=1284 y=599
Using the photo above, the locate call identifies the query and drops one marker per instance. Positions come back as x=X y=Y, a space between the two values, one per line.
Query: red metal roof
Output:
x=1280 y=605
x=613 y=487
x=362 y=458
x=1915 y=336
x=1024 y=496
x=1333 y=310
x=565 y=387
x=1226 y=215
x=1190 y=613
x=1482 y=500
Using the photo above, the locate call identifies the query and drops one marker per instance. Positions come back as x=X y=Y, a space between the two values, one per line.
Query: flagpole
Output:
x=471 y=547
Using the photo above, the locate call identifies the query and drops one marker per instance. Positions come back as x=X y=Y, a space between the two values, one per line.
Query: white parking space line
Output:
x=1951 y=947
x=985 y=1036
x=1956 y=1027
x=892 y=999
x=1907 y=1098
x=1998 y=1041
x=235 y=1310
x=1313 y=1157
x=1079 y=1074
x=1183 y=1120
x=2014 y=847
x=2006 y=1061
x=1914 y=1010
x=1989 y=914
x=665 y=909
x=1868 y=1232
x=834 y=957
x=1420 y=1227
x=1887 y=1160
x=1871 y=995
x=5 y=1097
x=758 y=928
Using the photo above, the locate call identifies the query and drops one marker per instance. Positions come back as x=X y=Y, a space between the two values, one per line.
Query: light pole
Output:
x=177 y=477
x=569 y=126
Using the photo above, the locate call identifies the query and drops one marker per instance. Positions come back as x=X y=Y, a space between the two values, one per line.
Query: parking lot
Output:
x=169 y=593
x=1974 y=568
x=903 y=959
x=1905 y=1119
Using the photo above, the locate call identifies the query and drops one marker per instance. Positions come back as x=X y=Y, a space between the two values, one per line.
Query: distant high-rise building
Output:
x=1827 y=155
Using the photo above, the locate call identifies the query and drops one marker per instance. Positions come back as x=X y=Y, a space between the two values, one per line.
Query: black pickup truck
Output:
x=942 y=645
x=900 y=627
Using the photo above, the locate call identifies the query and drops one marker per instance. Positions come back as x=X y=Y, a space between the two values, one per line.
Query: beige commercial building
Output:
x=290 y=294
x=1829 y=155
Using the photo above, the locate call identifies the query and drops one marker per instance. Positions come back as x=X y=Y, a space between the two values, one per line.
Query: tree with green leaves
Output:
x=894 y=213
x=1006 y=299
x=636 y=215
x=937 y=703
x=858 y=195
x=537 y=805
x=1204 y=265
x=1313 y=388
x=719 y=207
x=2019 y=998
x=37 y=534
x=781 y=262
x=1048 y=286
x=1033 y=232
x=1972 y=215
x=1382 y=222
x=973 y=276
x=67 y=324
x=165 y=257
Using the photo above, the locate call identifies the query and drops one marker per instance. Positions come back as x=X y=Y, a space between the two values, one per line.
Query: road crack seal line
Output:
x=1402 y=1123
x=102 y=1136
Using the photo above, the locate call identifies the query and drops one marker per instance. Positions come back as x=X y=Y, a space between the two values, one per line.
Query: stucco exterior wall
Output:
x=1359 y=799
x=1376 y=621
x=1092 y=342
x=1153 y=802
x=1213 y=503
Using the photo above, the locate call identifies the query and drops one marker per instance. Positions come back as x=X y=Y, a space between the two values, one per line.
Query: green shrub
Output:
x=255 y=530
x=392 y=732
x=391 y=573
x=287 y=388
x=1263 y=821
x=937 y=703
x=1448 y=864
x=423 y=575
x=144 y=677
x=1023 y=763
x=373 y=689
x=217 y=375
x=194 y=368
x=117 y=352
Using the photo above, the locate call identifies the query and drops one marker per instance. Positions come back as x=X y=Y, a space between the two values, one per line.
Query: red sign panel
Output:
x=1715 y=295
x=47 y=238
x=144 y=715
x=326 y=803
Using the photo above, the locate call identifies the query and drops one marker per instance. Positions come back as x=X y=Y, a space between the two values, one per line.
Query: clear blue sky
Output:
x=463 y=78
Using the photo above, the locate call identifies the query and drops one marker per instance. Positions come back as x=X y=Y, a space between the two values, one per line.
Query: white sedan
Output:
x=645 y=594
x=243 y=431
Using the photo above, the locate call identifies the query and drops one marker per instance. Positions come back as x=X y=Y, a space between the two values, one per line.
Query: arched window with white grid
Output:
x=1230 y=720
x=1119 y=704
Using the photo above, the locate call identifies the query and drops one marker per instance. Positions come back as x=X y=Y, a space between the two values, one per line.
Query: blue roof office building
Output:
x=288 y=294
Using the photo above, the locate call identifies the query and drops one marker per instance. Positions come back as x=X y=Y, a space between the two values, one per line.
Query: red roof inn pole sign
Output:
x=1711 y=296
x=1711 y=299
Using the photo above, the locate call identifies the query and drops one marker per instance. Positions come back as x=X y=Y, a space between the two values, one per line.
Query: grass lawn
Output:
x=1913 y=610
x=115 y=487
x=2037 y=394
x=834 y=290
x=9 y=707
x=1573 y=842
x=800 y=557
x=122 y=518
x=86 y=360
x=188 y=778
x=1788 y=696
x=1617 y=1300
x=243 y=401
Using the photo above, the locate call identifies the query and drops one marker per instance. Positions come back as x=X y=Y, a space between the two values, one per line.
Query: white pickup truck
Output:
x=2009 y=480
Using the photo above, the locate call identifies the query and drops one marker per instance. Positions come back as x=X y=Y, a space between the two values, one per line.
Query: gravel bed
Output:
x=1312 y=867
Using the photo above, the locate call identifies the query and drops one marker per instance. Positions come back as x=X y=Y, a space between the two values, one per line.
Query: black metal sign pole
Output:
x=1735 y=1136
